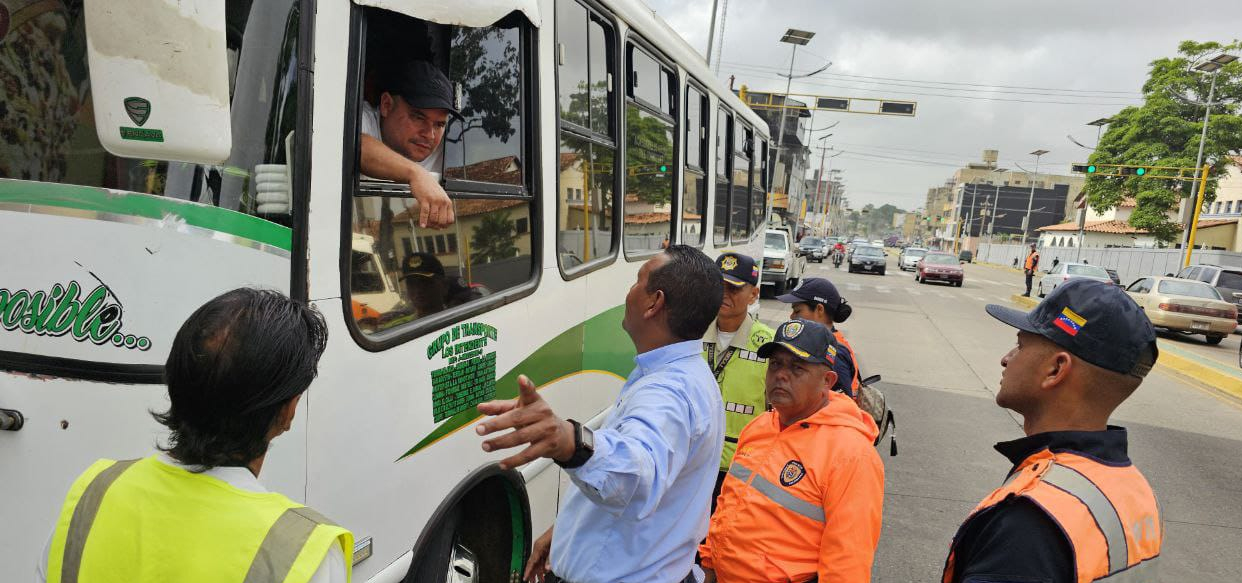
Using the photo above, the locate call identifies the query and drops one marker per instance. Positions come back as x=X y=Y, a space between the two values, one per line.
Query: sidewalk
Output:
x=1215 y=373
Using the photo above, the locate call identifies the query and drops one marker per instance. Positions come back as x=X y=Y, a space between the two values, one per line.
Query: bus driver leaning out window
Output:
x=401 y=137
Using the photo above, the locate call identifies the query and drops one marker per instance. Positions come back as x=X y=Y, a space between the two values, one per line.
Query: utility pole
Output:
x=1191 y=212
x=1026 y=222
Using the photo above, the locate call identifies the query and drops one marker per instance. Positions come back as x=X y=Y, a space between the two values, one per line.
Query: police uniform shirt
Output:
x=843 y=365
x=1016 y=541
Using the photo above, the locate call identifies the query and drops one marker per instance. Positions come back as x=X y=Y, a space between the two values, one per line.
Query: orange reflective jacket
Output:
x=800 y=502
x=854 y=384
x=1032 y=261
x=1109 y=514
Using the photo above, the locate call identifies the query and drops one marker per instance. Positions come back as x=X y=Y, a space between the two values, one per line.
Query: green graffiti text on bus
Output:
x=62 y=310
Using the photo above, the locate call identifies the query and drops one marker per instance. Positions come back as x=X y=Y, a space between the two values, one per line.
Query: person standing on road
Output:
x=1029 y=267
x=731 y=348
x=196 y=511
x=805 y=492
x=819 y=301
x=642 y=482
x=1073 y=508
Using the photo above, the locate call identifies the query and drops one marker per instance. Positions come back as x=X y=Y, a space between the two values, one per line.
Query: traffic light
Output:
x=663 y=168
x=1084 y=168
x=1132 y=171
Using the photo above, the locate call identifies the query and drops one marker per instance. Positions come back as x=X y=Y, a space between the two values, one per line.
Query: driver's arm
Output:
x=380 y=161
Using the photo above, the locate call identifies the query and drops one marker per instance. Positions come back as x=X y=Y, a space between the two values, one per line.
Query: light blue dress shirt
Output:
x=642 y=501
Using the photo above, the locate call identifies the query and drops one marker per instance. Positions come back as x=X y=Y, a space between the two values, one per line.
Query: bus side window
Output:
x=406 y=279
x=650 y=161
x=740 y=205
x=694 y=197
x=758 y=192
x=586 y=209
x=724 y=137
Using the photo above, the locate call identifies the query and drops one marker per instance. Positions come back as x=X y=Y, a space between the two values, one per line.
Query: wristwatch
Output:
x=584 y=446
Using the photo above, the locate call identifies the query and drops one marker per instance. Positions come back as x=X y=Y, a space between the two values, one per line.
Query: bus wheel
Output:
x=483 y=537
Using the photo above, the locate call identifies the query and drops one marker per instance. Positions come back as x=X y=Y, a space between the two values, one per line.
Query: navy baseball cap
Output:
x=814 y=289
x=1094 y=321
x=422 y=85
x=738 y=269
x=810 y=341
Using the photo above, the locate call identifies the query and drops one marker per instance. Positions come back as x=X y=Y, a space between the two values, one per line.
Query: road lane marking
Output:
x=978 y=299
x=882 y=289
x=853 y=287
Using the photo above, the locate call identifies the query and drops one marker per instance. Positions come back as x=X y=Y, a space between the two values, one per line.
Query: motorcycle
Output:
x=836 y=259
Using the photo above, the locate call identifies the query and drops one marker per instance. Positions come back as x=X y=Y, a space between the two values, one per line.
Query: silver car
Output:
x=909 y=258
x=1067 y=271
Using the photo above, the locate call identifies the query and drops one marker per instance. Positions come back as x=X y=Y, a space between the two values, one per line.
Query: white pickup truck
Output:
x=782 y=267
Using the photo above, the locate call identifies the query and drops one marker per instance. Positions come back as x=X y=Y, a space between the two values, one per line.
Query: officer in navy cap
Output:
x=816 y=299
x=1073 y=507
x=730 y=347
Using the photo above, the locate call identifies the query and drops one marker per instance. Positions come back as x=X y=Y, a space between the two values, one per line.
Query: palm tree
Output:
x=493 y=239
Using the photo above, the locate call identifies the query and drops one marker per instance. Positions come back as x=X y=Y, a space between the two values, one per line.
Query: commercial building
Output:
x=789 y=162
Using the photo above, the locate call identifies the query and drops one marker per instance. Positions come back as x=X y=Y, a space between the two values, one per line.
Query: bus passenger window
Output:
x=649 y=158
x=694 y=197
x=586 y=163
x=740 y=216
x=758 y=196
x=724 y=134
x=401 y=273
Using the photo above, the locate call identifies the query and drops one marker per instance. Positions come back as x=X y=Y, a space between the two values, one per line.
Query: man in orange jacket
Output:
x=1074 y=508
x=804 y=495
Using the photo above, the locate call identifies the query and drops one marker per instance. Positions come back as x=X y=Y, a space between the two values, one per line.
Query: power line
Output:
x=984 y=85
x=766 y=75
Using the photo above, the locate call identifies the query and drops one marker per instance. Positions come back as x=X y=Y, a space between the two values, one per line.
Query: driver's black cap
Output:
x=421 y=84
x=808 y=340
x=1094 y=321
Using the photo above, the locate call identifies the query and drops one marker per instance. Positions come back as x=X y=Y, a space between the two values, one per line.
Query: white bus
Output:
x=156 y=153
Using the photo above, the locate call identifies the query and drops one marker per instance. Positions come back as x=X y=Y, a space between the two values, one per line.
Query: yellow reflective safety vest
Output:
x=740 y=373
x=140 y=521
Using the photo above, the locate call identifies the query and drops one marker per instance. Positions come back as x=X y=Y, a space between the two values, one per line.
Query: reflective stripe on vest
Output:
x=275 y=540
x=777 y=494
x=1074 y=491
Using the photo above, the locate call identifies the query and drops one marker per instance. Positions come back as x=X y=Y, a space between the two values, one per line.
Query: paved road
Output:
x=939 y=354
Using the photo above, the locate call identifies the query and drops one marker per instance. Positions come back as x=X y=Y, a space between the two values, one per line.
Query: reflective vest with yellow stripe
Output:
x=741 y=379
x=141 y=521
x=1109 y=513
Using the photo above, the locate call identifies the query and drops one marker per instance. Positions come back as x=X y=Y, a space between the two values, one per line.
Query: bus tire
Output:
x=472 y=536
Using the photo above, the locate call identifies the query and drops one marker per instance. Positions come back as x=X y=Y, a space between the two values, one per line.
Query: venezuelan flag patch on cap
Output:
x=1069 y=322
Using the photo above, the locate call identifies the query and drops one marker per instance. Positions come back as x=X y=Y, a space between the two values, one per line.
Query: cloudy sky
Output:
x=986 y=75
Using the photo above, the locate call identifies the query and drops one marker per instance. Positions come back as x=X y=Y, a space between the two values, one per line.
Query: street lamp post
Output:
x=1026 y=222
x=1212 y=66
x=796 y=38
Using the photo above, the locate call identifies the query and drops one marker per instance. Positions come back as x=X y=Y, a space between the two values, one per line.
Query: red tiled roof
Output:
x=648 y=218
x=1216 y=223
x=1113 y=227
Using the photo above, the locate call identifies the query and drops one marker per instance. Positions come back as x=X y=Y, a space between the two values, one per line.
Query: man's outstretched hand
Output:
x=533 y=422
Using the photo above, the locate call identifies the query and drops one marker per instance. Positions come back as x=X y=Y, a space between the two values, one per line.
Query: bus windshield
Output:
x=48 y=118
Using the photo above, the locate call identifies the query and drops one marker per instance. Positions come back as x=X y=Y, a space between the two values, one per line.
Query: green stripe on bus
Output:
x=89 y=198
x=596 y=344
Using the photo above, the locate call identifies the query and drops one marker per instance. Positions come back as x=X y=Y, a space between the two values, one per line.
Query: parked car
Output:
x=1064 y=272
x=939 y=266
x=1186 y=306
x=966 y=256
x=782 y=267
x=813 y=248
x=868 y=258
x=1226 y=280
x=909 y=258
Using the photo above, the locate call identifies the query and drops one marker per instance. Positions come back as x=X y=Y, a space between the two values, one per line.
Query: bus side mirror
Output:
x=161 y=91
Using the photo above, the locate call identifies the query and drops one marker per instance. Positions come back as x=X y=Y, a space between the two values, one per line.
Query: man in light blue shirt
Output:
x=644 y=479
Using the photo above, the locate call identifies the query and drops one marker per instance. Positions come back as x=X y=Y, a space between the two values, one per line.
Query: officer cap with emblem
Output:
x=423 y=265
x=738 y=269
x=810 y=341
x=1094 y=321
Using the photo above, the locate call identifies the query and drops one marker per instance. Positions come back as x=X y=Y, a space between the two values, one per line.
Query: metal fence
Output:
x=1130 y=263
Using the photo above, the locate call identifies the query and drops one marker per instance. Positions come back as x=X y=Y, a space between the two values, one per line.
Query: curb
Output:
x=1215 y=375
x=999 y=267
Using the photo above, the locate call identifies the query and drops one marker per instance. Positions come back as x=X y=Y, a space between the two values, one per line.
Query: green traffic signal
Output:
x=1140 y=171
x=1091 y=169
x=663 y=168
